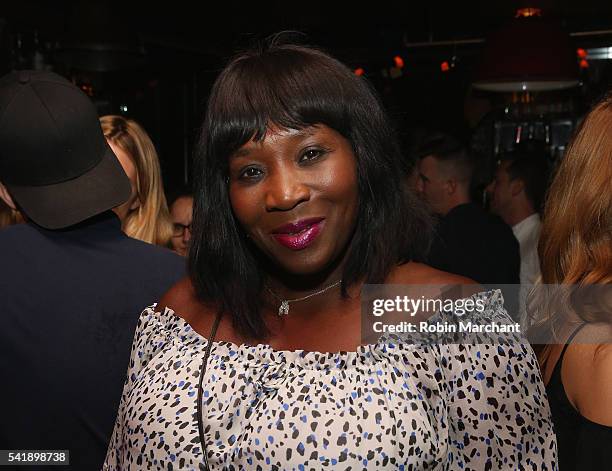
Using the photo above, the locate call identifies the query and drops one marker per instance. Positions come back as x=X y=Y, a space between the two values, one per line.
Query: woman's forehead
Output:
x=274 y=134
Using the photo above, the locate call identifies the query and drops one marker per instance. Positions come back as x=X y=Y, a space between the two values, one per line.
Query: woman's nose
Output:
x=286 y=190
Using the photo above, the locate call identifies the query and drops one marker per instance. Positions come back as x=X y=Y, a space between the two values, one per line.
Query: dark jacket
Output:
x=473 y=243
x=69 y=303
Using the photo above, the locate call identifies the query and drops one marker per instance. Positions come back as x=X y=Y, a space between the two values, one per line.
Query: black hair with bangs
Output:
x=294 y=87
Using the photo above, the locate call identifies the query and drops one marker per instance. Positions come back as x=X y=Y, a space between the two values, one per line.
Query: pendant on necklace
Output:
x=283 y=309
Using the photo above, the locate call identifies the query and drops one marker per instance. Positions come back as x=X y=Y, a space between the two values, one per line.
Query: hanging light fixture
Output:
x=531 y=53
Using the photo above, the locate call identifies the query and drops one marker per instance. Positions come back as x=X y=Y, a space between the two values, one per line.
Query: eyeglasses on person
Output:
x=178 y=229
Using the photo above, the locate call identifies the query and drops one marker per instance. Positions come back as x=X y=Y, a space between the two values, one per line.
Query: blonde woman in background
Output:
x=573 y=304
x=145 y=215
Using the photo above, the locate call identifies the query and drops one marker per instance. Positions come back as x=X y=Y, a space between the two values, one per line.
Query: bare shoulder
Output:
x=599 y=409
x=183 y=300
x=588 y=378
x=178 y=296
x=419 y=273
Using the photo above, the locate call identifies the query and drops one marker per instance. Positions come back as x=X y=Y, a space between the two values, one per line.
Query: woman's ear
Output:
x=6 y=197
x=135 y=204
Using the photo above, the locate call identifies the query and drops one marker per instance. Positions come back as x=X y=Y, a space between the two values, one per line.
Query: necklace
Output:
x=283 y=309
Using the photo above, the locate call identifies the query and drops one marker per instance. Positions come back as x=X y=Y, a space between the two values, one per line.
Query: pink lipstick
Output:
x=298 y=235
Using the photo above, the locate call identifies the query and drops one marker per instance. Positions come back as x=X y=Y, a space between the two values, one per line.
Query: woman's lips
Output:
x=299 y=235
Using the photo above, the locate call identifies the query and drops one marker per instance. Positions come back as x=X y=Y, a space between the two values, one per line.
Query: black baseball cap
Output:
x=54 y=159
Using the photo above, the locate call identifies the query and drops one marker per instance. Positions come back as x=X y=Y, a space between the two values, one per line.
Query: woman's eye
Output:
x=311 y=154
x=250 y=173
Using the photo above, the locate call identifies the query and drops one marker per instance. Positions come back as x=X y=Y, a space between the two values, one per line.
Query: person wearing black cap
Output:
x=72 y=283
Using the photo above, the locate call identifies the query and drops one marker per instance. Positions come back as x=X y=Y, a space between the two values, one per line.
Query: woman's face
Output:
x=295 y=194
x=130 y=170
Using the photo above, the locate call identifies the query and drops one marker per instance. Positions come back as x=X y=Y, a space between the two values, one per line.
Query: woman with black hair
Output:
x=257 y=360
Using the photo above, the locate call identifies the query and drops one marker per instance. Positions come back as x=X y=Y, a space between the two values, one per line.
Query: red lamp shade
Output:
x=528 y=54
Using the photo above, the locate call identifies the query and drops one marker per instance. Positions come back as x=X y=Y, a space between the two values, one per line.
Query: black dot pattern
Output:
x=385 y=406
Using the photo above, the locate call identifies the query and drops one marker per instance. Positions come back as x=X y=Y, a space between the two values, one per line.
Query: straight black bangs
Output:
x=288 y=88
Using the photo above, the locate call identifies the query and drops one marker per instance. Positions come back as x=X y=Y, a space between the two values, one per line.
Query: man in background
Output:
x=181 y=213
x=469 y=241
x=516 y=195
x=72 y=284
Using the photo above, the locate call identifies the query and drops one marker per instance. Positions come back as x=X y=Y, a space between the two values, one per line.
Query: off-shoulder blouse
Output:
x=389 y=405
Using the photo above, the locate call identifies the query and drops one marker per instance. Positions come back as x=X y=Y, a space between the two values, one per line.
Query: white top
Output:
x=527 y=232
x=385 y=406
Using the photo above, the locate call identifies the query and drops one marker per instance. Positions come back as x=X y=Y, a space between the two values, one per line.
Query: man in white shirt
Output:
x=517 y=192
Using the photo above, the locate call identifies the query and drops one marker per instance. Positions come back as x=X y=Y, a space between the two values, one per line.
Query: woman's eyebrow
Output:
x=246 y=150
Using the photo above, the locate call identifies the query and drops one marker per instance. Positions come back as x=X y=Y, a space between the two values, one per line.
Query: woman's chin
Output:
x=308 y=266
